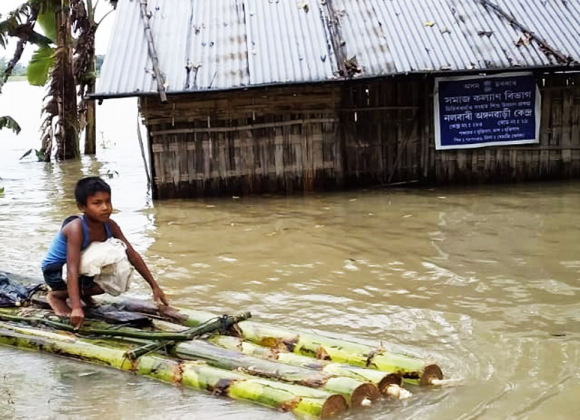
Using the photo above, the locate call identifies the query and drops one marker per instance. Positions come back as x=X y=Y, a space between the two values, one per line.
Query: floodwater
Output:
x=483 y=280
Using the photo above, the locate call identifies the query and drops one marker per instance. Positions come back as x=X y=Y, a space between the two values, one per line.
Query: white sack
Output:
x=107 y=262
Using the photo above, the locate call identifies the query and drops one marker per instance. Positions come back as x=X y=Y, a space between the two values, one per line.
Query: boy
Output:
x=93 y=197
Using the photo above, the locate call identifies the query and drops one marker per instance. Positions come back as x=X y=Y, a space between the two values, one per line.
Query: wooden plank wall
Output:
x=281 y=140
x=382 y=123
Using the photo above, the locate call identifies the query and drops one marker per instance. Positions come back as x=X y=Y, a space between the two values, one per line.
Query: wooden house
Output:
x=285 y=96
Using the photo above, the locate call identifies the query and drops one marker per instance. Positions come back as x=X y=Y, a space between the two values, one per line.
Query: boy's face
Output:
x=98 y=207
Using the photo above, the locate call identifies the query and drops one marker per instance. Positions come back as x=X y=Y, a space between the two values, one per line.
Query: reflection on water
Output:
x=483 y=280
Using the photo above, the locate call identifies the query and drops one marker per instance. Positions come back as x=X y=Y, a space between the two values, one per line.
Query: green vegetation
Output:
x=10 y=123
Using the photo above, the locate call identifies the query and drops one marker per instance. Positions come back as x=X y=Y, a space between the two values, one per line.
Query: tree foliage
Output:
x=39 y=67
x=20 y=24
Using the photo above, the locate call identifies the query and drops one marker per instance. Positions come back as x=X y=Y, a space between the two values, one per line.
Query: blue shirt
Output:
x=58 y=248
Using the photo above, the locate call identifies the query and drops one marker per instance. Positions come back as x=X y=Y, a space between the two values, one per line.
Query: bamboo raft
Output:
x=306 y=374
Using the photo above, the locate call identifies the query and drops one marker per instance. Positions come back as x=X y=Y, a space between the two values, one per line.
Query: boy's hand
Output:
x=77 y=317
x=159 y=297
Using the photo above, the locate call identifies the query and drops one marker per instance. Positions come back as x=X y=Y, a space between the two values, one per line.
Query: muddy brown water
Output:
x=483 y=280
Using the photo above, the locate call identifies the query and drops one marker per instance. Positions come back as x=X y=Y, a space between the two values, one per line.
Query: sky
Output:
x=103 y=32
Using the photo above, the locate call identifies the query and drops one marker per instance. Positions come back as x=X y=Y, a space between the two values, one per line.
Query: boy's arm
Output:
x=74 y=234
x=137 y=262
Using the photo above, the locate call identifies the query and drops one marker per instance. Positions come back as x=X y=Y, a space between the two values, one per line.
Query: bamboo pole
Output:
x=543 y=44
x=142 y=147
x=153 y=52
x=193 y=374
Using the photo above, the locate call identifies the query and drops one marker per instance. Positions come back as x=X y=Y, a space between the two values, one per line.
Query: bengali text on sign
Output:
x=486 y=111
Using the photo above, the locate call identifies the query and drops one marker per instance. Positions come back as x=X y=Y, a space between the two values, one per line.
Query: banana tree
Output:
x=65 y=61
x=19 y=24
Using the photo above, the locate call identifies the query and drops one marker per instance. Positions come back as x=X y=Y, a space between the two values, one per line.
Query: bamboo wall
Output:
x=243 y=142
x=382 y=124
x=300 y=139
x=392 y=138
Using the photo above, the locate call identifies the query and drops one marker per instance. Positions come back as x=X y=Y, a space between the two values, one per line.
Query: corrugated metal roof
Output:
x=227 y=44
x=401 y=36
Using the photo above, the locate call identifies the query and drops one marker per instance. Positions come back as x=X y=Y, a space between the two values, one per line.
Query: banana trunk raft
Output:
x=387 y=383
x=303 y=373
x=296 y=399
x=414 y=370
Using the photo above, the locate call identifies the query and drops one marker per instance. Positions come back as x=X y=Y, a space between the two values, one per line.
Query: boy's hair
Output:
x=90 y=186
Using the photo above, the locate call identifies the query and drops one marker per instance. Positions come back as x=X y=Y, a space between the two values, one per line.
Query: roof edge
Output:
x=437 y=73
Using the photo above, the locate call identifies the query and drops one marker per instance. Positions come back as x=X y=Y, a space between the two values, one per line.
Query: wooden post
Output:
x=91 y=128
x=142 y=147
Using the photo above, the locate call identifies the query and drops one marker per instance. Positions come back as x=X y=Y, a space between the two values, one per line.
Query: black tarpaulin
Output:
x=13 y=292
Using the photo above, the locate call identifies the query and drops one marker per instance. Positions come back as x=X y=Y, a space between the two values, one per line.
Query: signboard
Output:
x=479 y=111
